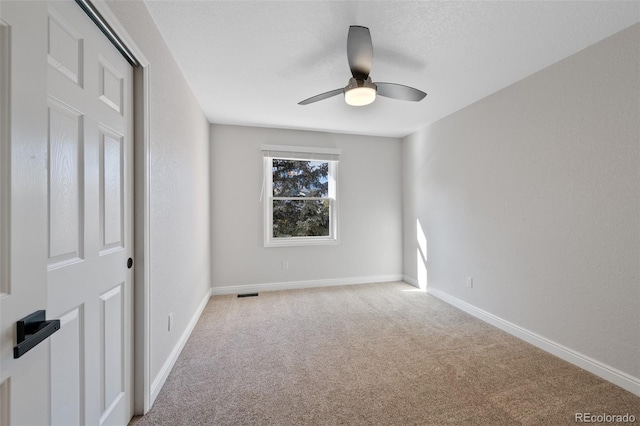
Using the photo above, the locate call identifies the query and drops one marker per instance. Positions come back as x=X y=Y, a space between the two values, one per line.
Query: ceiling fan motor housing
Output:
x=358 y=82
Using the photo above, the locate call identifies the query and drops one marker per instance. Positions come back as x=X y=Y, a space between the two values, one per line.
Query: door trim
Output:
x=142 y=400
x=5 y=157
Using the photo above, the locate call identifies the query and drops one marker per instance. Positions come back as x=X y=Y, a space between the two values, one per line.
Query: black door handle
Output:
x=32 y=330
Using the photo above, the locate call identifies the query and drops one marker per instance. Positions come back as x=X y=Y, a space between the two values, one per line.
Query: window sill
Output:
x=299 y=241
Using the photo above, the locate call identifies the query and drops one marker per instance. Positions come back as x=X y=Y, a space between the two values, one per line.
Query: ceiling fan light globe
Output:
x=360 y=96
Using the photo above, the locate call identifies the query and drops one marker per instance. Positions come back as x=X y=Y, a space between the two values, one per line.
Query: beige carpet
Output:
x=375 y=354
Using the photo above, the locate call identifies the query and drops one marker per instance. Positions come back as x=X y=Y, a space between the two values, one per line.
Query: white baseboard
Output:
x=293 y=285
x=159 y=380
x=613 y=375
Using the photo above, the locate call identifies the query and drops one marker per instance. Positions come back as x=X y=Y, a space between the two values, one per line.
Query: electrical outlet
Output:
x=170 y=322
x=469 y=282
x=285 y=265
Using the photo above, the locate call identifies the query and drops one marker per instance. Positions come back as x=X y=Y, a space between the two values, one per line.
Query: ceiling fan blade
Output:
x=399 y=91
x=321 y=97
x=359 y=51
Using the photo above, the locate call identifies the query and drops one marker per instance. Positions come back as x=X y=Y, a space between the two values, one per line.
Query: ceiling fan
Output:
x=361 y=90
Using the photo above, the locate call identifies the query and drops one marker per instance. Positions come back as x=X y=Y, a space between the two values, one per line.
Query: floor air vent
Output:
x=248 y=295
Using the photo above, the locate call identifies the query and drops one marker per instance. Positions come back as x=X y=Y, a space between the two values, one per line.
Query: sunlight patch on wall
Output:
x=421 y=256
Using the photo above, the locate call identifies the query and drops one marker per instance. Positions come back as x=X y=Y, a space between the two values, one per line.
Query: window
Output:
x=300 y=196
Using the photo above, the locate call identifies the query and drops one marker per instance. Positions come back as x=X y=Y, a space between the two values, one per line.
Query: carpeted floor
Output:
x=374 y=354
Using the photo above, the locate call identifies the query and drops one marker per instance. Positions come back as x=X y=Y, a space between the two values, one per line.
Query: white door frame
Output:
x=142 y=233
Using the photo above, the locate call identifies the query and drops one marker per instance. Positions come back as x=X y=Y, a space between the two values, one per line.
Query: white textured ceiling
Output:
x=251 y=62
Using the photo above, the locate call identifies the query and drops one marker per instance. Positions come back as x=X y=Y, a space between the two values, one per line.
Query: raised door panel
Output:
x=111 y=84
x=113 y=344
x=65 y=48
x=66 y=190
x=67 y=376
x=4 y=402
x=111 y=189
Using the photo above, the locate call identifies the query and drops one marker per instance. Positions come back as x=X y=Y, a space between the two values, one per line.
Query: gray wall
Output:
x=370 y=218
x=535 y=193
x=179 y=194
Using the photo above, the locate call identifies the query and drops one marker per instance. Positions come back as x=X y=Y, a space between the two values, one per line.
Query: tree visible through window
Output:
x=300 y=196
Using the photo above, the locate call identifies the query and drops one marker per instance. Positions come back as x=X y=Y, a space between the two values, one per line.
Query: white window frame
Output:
x=330 y=155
